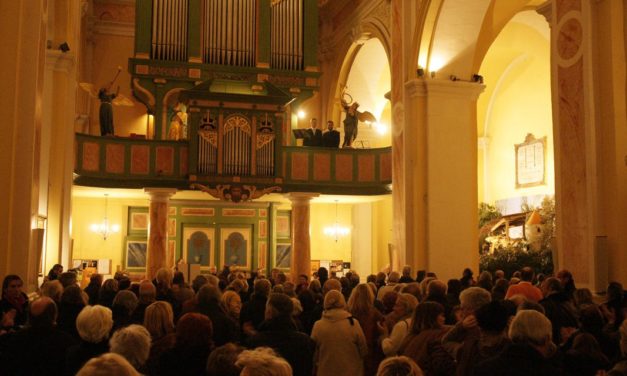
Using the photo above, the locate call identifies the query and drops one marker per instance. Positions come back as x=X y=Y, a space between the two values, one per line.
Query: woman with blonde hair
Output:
x=232 y=304
x=399 y=366
x=108 y=364
x=262 y=361
x=361 y=306
x=340 y=342
x=403 y=308
x=159 y=320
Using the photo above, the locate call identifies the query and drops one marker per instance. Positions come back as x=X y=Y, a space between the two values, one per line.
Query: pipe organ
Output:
x=229 y=32
x=287 y=34
x=247 y=145
x=169 y=30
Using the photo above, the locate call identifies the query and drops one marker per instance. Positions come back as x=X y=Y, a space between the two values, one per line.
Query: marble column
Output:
x=301 y=241
x=157 y=229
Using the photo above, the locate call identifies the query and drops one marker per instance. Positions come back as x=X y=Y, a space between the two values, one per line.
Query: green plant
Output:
x=487 y=213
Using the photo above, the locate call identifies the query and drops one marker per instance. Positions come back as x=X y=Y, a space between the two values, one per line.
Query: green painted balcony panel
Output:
x=136 y=163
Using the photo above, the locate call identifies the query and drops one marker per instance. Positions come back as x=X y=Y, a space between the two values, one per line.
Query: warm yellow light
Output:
x=381 y=128
x=301 y=114
x=436 y=63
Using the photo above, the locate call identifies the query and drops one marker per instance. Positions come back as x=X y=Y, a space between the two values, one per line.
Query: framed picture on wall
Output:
x=283 y=224
x=236 y=247
x=199 y=245
x=283 y=255
x=138 y=220
x=136 y=253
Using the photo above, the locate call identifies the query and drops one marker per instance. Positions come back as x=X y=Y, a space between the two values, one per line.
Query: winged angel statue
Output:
x=353 y=117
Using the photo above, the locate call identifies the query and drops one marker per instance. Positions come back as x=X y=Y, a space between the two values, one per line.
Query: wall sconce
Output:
x=103 y=228
x=420 y=72
x=336 y=230
x=301 y=114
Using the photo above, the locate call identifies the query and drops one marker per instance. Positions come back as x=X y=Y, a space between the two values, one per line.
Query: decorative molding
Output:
x=546 y=10
x=122 y=29
x=235 y=193
x=160 y=194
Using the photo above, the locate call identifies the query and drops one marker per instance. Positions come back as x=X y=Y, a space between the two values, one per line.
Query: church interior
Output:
x=143 y=134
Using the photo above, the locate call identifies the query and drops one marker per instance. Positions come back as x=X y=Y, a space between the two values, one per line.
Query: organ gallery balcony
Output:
x=119 y=162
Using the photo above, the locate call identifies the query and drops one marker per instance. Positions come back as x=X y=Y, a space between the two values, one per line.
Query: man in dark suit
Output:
x=331 y=138
x=314 y=135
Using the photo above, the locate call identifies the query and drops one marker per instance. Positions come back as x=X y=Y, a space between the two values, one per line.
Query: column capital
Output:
x=301 y=198
x=160 y=194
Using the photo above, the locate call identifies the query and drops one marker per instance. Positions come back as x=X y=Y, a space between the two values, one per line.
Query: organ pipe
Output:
x=228 y=32
x=169 y=30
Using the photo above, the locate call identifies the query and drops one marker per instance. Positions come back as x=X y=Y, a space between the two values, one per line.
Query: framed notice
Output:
x=530 y=162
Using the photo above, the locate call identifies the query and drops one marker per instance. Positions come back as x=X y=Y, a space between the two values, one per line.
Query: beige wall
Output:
x=516 y=101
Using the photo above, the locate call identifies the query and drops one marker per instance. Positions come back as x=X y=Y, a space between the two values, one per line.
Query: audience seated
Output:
x=314 y=332
x=93 y=288
x=38 y=349
x=530 y=352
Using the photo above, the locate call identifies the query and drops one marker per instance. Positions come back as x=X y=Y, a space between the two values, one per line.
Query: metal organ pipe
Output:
x=169 y=29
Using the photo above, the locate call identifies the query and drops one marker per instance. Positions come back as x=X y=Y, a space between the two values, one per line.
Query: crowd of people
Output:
x=233 y=323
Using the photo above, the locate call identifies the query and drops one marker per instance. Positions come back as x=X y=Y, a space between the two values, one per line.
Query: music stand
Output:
x=300 y=133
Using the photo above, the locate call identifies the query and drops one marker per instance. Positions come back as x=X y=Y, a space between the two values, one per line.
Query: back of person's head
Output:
x=380 y=277
x=530 y=327
x=263 y=361
x=485 y=276
x=409 y=303
x=164 y=278
x=133 y=343
x=394 y=277
x=426 y=316
x=178 y=278
x=591 y=319
x=436 y=289
x=159 y=319
x=106 y=365
x=315 y=287
x=406 y=271
x=331 y=284
x=126 y=300
x=147 y=292
x=94 y=323
x=73 y=295
x=43 y=313
x=262 y=287
x=389 y=299
x=473 y=298
x=583 y=296
x=371 y=278
x=323 y=273
x=551 y=285
x=361 y=300
x=67 y=279
x=399 y=366
x=413 y=288
x=526 y=274
x=334 y=299
x=222 y=360
x=208 y=294
x=615 y=291
x=585 y=343
x=95 y=279
x=279 y=306
x=198 y=282
x=53 y=290
x=194 y=330
x=124 y=283
x=110 y=285
x=493 y=317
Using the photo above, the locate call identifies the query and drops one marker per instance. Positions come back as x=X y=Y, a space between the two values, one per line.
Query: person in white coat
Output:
x=340 y=341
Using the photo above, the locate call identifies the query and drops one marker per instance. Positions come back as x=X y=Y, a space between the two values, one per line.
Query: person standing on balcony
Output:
x=331 y=138
x=313 y=135
x=106 y=111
